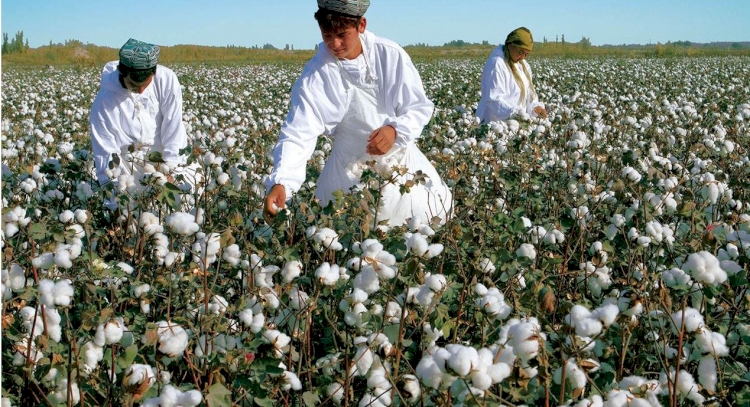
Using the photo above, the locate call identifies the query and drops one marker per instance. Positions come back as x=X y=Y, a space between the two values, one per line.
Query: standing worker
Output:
x=364 y=91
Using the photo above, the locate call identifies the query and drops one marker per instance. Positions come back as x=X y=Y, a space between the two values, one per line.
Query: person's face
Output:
x=344 y=43
x=136 y=87
x=517 y=53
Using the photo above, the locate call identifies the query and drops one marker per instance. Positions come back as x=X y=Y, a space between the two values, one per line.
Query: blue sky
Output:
x=435 y=22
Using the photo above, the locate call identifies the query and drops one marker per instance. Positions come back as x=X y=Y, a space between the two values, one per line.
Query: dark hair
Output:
x=136 y=75
x=332 y=21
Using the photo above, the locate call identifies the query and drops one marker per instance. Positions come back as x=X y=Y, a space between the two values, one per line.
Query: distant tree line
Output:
x=16 y=52
x=15 y=46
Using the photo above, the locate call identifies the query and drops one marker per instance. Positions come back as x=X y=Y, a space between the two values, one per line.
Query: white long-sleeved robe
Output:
x=119 y=118
x=500 y=92
x=319 y=102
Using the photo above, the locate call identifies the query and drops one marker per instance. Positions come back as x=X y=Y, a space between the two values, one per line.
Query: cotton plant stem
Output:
x=673 y=400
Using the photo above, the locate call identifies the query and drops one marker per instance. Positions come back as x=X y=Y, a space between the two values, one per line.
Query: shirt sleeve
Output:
x=315 y=109
x=173 y=134
x=496 y=84
x=103 y=138
x=532 y=99
x=405 y=92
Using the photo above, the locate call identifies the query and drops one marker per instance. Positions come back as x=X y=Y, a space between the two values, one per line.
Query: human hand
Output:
x=381 y=140
x=540 y=112
x=275 y=200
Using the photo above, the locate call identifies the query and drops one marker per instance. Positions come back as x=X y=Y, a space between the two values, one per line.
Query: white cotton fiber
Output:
x=692 y=319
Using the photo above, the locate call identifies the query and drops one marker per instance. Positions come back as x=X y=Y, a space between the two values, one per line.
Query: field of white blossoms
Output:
x=596 y=258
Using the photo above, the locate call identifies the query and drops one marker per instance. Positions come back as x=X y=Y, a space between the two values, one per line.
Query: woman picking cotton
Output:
x=364 y=92
x=507 y=85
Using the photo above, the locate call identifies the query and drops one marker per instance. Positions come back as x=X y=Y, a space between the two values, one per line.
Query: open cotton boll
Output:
x=525 y=341
x=232 y=254
x=526 y=250
x=367 y=281
x=607 y=314
x=687 y=387
x=292 y=270
x=704 y=267
x=486 y=266
x=462 y=359
x=676 y=278
x=707 y=374
x=693 y=320
x=109 y=332
x=92 y=355
x=14 y=277
x=138 y=378
x=182 y=223
x=66 y=216
x=713 y=343
x=173 y=339
x=81 y=216
x=417 y=244
x=429 y=372
x=44 y=261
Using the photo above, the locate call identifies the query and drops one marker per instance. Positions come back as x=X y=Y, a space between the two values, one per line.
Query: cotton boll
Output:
x=462 y=359
x=687 y=387
x=526 y=250
x=44 y=261
x=707 y=374
x=693 y=319
x=486 y=266
x=291 y=381
x=429 y=372
x=190 y=398
x=109 y=332
x=704 y=267
x=66 y=216
x=138 y=378
x=367 y=281
x=713 y=343
x=259 y=322
x=173 y=339
x=525 y=338
x=676 y=278
x=434 y=250
x=417 y=244
x=336 y=392
x=291 y=271
x=607 y=314
x=182 y=223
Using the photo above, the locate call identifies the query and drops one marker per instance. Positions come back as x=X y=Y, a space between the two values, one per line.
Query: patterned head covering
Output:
x=139 y=55
x=356 y=8
x=521 y=37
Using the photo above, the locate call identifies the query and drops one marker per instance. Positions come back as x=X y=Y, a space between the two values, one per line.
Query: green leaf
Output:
x=155 y=157
x=310 y=398
x=37 y=231
x=266 y=402
x=219 y=396
x=126 y=358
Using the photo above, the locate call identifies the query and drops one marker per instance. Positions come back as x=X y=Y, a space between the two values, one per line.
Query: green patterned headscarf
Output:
x=521 y=37
x=139 y=55
x=355 y=8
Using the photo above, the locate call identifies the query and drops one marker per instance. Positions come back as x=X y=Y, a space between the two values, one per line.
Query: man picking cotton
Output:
x=137 y=111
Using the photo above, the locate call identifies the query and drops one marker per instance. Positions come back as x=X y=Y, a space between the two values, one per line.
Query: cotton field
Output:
x=595 y=258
